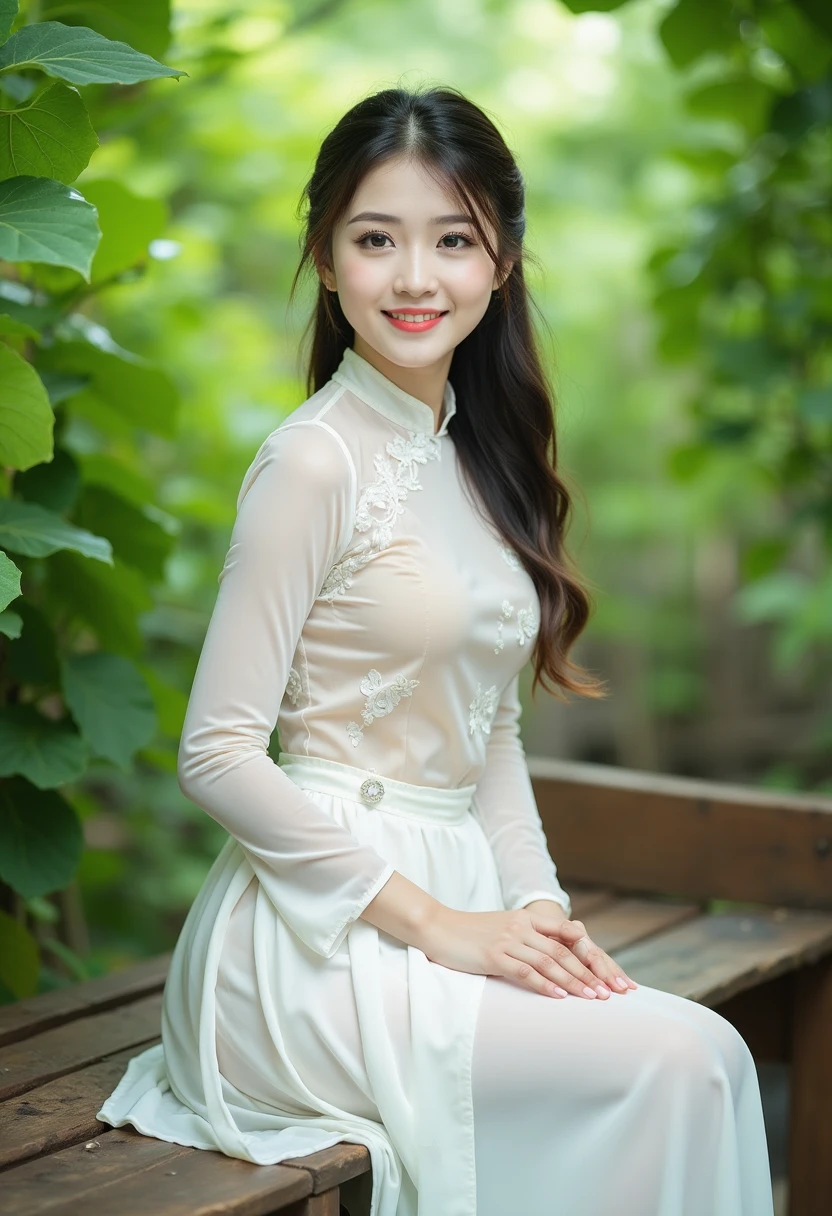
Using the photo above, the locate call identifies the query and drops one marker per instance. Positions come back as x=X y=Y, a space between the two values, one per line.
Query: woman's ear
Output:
x=500 y=276
x=327 y=277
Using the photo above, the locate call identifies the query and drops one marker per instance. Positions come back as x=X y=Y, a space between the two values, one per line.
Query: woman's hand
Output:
x=573 y=934
x=522 y=945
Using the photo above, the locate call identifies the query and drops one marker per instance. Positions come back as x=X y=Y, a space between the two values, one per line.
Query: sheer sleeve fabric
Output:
x=295 y=513
x=505 y=806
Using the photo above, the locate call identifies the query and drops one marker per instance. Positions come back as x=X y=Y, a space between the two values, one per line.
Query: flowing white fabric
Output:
x=368 y=608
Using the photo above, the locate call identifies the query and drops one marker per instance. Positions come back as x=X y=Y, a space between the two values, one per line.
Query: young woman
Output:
x=382 y=952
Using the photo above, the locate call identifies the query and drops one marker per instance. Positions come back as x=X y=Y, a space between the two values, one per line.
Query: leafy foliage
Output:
x=83 y=555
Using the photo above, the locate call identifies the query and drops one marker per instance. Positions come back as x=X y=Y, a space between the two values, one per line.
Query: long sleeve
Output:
x=295 y=514
x=505 y=805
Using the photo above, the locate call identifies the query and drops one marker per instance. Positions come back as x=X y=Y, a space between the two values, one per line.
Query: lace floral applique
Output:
x=381 y=699
x=510 y=557
x=294 y=686
x=505 y=612
x=394 y=479
x=525 y=624
x=482 y=709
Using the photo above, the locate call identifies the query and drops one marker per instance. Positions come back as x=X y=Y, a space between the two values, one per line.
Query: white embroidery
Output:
x=381 y=699
x=525 y=624
x=482 y=709
x=510 y=557
x=294 y=686
x=394 y=479
x=505 y=612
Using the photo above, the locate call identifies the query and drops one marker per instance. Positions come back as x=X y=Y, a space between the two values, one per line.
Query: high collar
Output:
x=373 y=387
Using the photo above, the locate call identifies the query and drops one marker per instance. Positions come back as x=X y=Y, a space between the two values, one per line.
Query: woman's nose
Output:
x=415 y=274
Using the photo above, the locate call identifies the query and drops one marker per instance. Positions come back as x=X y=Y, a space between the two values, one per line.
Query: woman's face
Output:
x=403 y=244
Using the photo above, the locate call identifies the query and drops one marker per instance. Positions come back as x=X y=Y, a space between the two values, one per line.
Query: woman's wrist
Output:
x=550 y=906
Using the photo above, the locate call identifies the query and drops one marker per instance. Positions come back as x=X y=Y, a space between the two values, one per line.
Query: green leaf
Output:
x=744 y=101
x=55 y=485
x=42 y=220
x=9 y=581
x=47 y=753
x=79 y=55
x=139 y=392
x=41 y=840
x=111 y=703
x=33 y=657
x=145 y=26
x=8 y=12
x=50 y=137
x=11 y=623
x=102 y=469
x=26 y=527
x=137 y=539
x=695 y=27
x=128 y=224
x=593 y=6
x=18 y=949
x=819 y=12
x=26 y=418
x=109 y=598
x=798 y=40
x=13 y=328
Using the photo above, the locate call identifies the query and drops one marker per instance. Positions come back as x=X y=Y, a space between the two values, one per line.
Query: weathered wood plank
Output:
x=59 y=1113
x=648 y=832
x=623 y=922
x=63 y=1049
x=810 y=1128
x=333 y=1166
x=716 y=956
x=22 y=1019
x=128 y=1174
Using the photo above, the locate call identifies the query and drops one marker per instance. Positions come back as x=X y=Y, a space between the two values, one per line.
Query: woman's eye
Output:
x=372 y=240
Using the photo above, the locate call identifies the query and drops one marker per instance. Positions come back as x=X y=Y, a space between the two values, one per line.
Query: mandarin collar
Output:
x=379 y=392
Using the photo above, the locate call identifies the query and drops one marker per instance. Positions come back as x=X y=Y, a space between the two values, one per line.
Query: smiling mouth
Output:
x=414 y=316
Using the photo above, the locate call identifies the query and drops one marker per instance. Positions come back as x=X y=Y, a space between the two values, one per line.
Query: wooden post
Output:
x=810 y=1123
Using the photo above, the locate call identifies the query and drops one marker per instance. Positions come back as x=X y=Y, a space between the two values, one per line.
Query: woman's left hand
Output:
x=574 y=935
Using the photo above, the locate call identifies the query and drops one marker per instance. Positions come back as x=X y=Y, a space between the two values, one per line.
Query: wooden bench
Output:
x=623 y=840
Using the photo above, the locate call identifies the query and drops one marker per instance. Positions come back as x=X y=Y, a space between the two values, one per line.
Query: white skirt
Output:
x=473 y=1095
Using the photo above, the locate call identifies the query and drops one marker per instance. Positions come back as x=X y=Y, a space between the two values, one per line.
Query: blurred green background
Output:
x=678 y=161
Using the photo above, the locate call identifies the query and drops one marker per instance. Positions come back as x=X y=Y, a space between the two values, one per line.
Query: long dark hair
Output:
x=503 y=430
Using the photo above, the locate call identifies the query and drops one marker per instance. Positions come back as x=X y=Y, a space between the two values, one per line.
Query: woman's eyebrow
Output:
x=381 y=218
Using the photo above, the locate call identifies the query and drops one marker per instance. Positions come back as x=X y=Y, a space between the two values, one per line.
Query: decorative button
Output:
x=372 y=790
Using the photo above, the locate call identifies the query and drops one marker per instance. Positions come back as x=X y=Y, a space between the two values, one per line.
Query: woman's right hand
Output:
x=508 y=944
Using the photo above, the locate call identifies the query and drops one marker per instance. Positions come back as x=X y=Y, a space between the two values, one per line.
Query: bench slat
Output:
x=718 y=955
x=59 y=1113
x=130 y=1175
x=63 y=1049
x=22 y=1019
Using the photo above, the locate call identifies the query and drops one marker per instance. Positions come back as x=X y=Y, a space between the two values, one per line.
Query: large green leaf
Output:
x=47 y=753
x=52 y=136
x=11 y=623
x=144 y=25
x=18 y=955
x=742 y=100
x=28 y=528
x=26 y=418
x=55 y=485
x=128 y=224
x=8 y=12
x=33 y=657
x=79 y=55
x=694 y=27
x=9 y=581
x=41 y=840
x=42 y=220
x=111 y=703
x=10 y=327
x=136 y=390
x=108 y=598
x=593 y=6
x=137 y=539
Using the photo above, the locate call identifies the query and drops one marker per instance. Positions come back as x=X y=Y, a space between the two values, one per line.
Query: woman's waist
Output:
x=365 y=786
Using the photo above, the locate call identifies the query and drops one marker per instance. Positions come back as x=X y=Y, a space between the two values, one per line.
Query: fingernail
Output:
x=561 y=991
x=622 y=983
x=602 y=990
x=589 y=992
